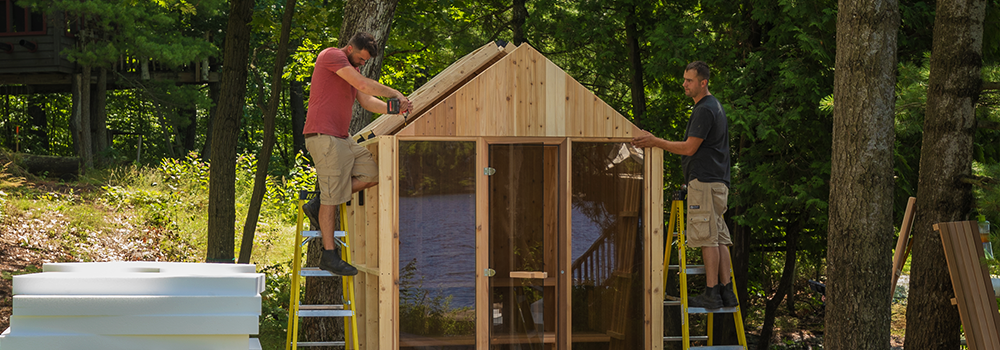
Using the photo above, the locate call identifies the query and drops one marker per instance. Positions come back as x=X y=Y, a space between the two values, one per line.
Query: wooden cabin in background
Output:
x=511 y=212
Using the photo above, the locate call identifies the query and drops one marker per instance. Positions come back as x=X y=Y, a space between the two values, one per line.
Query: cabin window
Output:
x=17 y=20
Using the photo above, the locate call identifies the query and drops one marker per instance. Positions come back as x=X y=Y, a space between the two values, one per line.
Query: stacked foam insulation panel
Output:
x=136 y=305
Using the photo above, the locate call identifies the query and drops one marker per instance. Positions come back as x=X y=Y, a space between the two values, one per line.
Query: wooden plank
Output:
x=565 y=284
x=371 y=290
x=971 y=283
x=555 y=100
x=574 y=107
x=484 y=311
x=653 y=257
x=899 y=258
x=522 y=81
x=388 y=243
x=450 y=115
x=529 y=274
x=438 y=88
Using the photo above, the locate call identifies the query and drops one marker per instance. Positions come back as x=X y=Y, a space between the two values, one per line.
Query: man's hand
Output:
x=405 y=105
x=645 y=139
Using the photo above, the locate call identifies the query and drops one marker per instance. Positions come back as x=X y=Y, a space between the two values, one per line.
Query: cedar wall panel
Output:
x=526 y=95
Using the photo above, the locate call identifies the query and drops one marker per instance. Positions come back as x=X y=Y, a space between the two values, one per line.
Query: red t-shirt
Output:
x=331 y=97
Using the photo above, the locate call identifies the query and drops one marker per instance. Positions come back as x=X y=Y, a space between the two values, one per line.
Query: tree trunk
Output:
x=784 y=285
x=861 y=178
x=297 y=100
x=39 y=121
x=86 y=139
x=264 y=158
x=373 y=17
x=945 y=157
x=638 y=87
x=99 y=115
x=213 y=95
x=189 y=133
x=222 y=179
x=519 y=17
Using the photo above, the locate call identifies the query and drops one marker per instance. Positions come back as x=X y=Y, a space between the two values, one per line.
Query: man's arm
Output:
x=371 y=103
x=687 y=147
x=371 y=88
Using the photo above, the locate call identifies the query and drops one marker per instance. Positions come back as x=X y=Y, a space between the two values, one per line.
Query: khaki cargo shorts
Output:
x=337 y=162
x=707 y=203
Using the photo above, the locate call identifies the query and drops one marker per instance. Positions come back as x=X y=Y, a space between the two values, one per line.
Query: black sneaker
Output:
x=311 y=209
x=331 y=261
x=728 y=297
x=709 y=299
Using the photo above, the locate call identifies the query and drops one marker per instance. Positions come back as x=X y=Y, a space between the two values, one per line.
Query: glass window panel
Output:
x=607 y=246
x=437 y=239
x=17 y=19
x=37 y=24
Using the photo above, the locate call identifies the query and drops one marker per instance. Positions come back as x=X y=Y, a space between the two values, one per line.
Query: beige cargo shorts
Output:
x=338 y=161
x=707 y=204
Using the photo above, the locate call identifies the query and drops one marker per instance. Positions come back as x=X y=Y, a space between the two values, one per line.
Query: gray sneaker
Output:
x=311 y=209
x=728 y=297
x=709 y=299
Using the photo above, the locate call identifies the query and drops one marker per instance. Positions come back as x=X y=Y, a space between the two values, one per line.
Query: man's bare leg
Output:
x=712 y=265
x=725 y=262
x=358 y=185
x=326 y=220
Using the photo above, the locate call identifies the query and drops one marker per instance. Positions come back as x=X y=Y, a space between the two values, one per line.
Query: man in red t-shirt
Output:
x=342 y=166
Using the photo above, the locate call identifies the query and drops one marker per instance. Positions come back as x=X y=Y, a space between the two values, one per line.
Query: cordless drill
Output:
x=393 y=104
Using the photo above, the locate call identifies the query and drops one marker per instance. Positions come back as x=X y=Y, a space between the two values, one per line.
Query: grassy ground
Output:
x=130 y=214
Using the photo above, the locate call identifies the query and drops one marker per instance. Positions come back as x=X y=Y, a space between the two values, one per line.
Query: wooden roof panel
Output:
x=522 y=95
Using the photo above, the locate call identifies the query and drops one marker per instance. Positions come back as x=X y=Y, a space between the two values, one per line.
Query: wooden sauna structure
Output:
x=511 y=213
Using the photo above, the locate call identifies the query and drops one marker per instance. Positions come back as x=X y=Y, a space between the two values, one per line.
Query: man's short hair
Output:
x=364 y=41
x=699 y=67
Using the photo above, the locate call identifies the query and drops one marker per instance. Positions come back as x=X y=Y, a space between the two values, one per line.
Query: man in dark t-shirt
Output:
x=705 y=161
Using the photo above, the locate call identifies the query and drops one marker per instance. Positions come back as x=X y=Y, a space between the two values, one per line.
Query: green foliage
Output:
x=9 y=275
x=274 y=305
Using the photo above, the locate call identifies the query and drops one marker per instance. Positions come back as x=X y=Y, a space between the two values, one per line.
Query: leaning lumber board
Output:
x=977 y=307
x=438 y=88
x=899 y=258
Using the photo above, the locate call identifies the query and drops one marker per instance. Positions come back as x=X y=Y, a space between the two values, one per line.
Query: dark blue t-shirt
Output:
x=711 y=162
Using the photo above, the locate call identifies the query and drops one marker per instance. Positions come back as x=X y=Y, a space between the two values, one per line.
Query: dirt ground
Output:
x=31 y=238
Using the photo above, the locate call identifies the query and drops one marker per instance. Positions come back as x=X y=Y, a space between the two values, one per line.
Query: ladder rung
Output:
x=671 y=302
x=680 y=338
x=316 y=234
x=720 y=347
x=315 y=272
x=691 y=269
x=324 y=311
x=321 y=343
x=723 y=310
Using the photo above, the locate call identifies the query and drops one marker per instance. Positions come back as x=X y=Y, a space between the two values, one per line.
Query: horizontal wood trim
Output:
x=529 y=274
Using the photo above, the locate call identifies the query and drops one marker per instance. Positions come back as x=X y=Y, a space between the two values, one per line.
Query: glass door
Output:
x=522 y=236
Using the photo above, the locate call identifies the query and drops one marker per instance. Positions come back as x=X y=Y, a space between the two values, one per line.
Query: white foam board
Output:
x=54 y=341
x=255 y=344
x=108 y=305
x=137 y=325
x=150 y=266
x=67 y=283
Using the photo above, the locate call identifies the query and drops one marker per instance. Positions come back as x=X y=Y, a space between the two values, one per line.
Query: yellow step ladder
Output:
x=295 y=310
x=676 y=229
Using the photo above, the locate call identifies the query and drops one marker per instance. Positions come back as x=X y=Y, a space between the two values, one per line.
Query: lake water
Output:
x=437 y=236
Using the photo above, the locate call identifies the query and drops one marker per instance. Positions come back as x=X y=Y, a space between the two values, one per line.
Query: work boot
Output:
x=311 y=209
x=709 y=299
x=728 y=297
x=331 y=261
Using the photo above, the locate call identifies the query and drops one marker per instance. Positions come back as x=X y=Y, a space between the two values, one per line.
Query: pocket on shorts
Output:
x=699 y=226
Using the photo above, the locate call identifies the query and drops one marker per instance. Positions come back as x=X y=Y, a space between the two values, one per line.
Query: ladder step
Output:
x=324 y=311
x=723 y=310
x=316 y=234
x=690 y=269
x=720 y=347
x=315 y=272
x=671 y=303
x=680 y=338
x=320 y=343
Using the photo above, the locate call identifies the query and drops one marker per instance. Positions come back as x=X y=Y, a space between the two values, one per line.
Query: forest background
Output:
x=773 y=70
